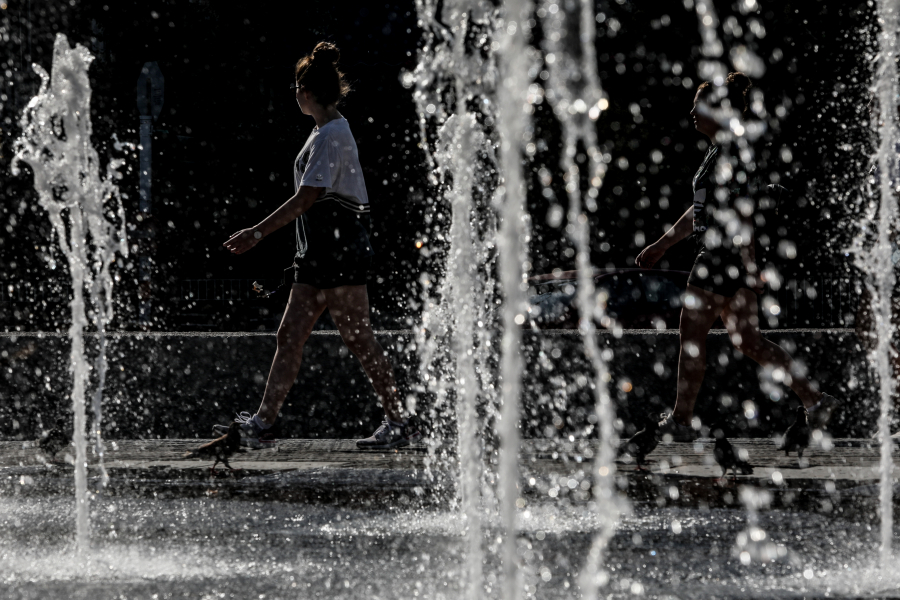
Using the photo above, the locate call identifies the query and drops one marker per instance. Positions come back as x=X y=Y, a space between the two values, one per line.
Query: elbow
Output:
x=306 y=198
x=305 y=204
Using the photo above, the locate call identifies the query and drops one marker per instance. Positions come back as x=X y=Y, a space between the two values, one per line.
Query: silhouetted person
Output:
x=330 y=213
x=725 y=279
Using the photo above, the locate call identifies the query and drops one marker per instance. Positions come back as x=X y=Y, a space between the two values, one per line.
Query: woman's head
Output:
x=318 y=74
x=734 y=93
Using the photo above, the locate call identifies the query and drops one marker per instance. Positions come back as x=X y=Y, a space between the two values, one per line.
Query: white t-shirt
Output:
x=330 y=159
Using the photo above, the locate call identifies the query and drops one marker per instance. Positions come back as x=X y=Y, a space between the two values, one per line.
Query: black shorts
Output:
x=329 y=272
x=720 y=271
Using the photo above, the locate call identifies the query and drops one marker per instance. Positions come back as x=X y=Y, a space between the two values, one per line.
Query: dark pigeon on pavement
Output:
x=643 y=442
x=220 y=448
x=796 y=438
x=727 y=457
x=54 y=440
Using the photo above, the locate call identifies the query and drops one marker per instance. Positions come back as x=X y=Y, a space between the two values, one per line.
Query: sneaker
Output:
x=392 y=435
x=670 y=431
x=251 y=436
x=820 y=413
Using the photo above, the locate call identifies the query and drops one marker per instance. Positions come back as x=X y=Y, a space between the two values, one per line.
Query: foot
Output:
x=670 y=431
x=251 y=436
x=820 y=413
x=392 y=435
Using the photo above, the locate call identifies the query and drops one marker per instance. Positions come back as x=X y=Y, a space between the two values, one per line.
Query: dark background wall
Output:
x=229 y=130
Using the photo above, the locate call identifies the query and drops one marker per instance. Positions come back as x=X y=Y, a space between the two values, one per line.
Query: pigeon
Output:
x=728 y=458
x=54 y=440
x=643 y=442
x=220 y=448
x=797 y=435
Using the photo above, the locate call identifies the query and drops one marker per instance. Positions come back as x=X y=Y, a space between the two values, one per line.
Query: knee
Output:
x=290 y=338
x=692 y=329
x=693 y=347
x=361 y=343
x=749 y=342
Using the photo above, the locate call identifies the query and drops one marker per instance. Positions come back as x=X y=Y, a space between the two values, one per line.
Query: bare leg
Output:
x=699 y=313
x=349 y=308
x=304 y=307
x=742 y=321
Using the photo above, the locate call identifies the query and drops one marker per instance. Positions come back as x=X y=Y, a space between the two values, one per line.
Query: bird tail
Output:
x=191 y=454
x=746 y=468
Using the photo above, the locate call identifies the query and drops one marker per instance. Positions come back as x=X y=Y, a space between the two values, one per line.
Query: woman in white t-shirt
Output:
x=330 y=209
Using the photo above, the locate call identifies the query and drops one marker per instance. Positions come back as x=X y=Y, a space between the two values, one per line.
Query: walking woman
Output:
x=330 y=211
x=724 y=280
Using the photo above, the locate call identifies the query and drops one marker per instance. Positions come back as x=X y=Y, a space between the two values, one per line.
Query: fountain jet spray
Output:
x=878 y=262
x=454 y=90
x=462 y=140
x=512 y=33
x=88 y=220
x=578 y=101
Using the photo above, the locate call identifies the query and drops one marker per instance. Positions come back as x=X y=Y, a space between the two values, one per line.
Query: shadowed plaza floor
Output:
x=833 y=475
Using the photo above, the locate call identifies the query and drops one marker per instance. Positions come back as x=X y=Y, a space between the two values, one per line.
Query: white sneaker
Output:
x=392 y=435
x=251 y=435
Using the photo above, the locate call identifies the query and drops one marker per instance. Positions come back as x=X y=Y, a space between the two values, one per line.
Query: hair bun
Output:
x=326 y=51
x=740 y=80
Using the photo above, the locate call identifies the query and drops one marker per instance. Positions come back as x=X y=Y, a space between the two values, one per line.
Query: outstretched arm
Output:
x=245 y=239
x=680 y=230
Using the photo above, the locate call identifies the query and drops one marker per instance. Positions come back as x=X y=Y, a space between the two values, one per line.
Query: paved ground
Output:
x=837 y=475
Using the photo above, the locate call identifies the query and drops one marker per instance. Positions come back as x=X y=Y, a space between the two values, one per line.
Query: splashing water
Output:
x=578 y=101
x=462 y=268
x=461 y=138
x=453 y=80
x=463 y=94
x=454 y=83
x=876 y=262
x=449 y=67
x=513 y=31
x=754 y=544
x=710 y=67
x=88 y=219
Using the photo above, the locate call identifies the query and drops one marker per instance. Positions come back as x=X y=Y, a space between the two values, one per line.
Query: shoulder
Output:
x=335 y=128
x=334 y=133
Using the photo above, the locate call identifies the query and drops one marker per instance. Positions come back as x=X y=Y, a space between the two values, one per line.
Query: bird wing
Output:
x=209 y=448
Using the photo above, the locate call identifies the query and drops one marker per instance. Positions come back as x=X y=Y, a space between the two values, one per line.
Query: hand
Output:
x=649 y=256
x=243 y=240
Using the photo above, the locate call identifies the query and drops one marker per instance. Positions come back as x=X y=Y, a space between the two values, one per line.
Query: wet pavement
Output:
x=319 y=518
x=834 y=475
